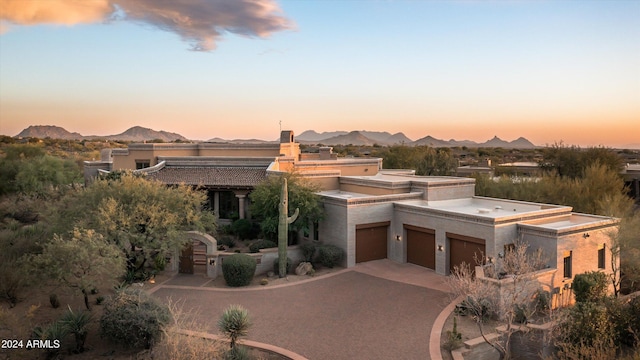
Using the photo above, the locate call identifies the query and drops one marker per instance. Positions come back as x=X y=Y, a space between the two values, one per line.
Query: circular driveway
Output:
x=351 y=315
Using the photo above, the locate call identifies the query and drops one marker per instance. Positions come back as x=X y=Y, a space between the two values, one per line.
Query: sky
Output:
x=549 y=71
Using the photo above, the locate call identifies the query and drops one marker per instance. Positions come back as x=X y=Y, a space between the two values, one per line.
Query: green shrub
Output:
x=584 y=324
x=261 y=244
x=159 y=262
x=308 y=251
x=227 y=241
x=624 y=316
x=238 y=269
x=475 y=308
x=453 y=339
x=134 y=318
x=99 y=300
x=276 y=265
x=238 y=352
x=329 y=255
x=54 y=301
x=590 y=286
x=244 y=229
x=542 y=301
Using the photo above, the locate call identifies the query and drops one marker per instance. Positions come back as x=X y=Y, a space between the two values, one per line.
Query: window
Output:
x=601 y=257
x=141 y=164
x=567 y=264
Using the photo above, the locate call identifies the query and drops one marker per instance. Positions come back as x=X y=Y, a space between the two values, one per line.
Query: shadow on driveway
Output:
x=351 y=315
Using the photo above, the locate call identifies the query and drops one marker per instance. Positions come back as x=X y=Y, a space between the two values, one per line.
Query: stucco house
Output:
x=372 y=213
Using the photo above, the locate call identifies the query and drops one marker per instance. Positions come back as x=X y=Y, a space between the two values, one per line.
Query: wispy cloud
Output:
x=202 y=23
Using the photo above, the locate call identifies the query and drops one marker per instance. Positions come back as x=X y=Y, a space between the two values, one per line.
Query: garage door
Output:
x=371 y=241
x=464 y=249
x=421 y=246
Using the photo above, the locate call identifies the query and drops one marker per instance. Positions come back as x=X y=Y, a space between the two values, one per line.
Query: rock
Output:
x=304 y=268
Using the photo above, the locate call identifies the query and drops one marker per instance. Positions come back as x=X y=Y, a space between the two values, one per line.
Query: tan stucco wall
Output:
x=370 y=190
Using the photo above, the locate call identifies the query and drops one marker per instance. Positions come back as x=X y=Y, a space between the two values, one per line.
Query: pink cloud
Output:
x=202 y=23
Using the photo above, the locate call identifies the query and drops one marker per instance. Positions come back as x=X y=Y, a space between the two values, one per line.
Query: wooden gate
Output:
x=186 y=259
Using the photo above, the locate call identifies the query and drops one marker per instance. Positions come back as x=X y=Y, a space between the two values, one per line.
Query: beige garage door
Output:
x=421 y=246
x=371 y=241
x=464 y=249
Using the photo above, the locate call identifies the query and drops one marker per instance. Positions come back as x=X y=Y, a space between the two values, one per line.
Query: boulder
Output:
x=304 y=268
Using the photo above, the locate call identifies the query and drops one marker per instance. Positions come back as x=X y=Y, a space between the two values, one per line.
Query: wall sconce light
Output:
x=440 y=247
x=398 y=238
x=212 y=261
x=585 y=235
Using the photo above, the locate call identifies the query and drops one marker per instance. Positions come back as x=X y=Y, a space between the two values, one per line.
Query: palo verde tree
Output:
x=145 y=219
x=28 y=170
x=303 y=195
x=81 y=262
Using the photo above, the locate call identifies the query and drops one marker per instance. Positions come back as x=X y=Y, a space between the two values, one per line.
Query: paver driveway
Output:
x=351 y=315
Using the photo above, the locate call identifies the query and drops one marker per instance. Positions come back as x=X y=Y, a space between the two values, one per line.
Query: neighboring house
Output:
x=371 y=213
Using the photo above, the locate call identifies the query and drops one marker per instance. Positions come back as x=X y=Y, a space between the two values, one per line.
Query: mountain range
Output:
x=136 y=133
x=385 y=138
x=309 y=137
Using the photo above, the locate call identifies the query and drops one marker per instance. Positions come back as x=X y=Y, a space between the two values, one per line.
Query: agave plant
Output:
x=234 y=323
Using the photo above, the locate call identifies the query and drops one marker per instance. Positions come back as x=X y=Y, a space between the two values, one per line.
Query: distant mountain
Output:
x=373 y=137
x=311 y=135
x=521 y=143
x=495 y=142
x=384 y=138
x=139 y=133
x=398 y=138
x=49 y=131
x=352 y=138
x=136 y=133
x=433 y=142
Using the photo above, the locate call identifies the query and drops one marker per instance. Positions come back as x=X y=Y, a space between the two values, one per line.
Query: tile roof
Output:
x=211 y=176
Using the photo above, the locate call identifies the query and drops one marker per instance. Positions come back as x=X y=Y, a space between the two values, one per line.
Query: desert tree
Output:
x=505 y=292
x=303 y=195
x=80 y=262
x=146 y=219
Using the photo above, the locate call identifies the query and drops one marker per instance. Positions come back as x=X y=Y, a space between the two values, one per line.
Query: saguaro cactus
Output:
x=283 y=228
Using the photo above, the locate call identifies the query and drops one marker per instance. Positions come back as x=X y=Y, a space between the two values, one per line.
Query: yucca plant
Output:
x=55 y=331
x=78 y=325
x=234 y=323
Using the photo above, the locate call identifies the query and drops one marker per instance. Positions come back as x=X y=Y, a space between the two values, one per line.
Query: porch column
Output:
x=241 y=198
x=216 y=204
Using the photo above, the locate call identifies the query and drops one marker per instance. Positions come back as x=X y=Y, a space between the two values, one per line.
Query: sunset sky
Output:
x=546 y=70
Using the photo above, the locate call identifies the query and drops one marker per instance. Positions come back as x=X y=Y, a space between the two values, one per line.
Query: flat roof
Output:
x=403 y=177
x=572 y=221
x=498 y=209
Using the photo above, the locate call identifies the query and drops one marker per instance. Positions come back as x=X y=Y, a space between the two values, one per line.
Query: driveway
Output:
x=351 y=315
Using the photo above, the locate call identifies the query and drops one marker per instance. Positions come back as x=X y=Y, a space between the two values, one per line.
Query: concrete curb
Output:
x=262 y=288
x=254 y=344
x=438 y=326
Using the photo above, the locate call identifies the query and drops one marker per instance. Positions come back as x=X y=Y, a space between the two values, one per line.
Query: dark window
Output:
x=601 y=258
x=228 y=205
x=141 y=164
x=567 y=265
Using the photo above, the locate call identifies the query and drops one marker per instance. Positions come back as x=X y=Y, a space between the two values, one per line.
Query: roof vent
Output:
x=497 y=208
x=484 y=211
